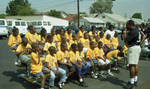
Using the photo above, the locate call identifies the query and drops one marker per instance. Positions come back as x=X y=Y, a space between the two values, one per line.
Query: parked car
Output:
x=3 y=28
x=20 y=24
x=75 y=29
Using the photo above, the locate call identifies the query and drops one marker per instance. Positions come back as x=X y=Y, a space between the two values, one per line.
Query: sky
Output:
x=121 y=7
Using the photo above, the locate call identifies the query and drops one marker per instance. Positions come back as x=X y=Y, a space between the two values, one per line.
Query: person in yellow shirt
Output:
x=91 y=58
x=114 y=41
x=36 y=65
x=96 y=40
x=101 y=29
x=102 y=60
x=32 y=36
x=92 y=33
x=63 y=39
x=14 y=39
x=42 y=37
x=81 y=32
x=76 y=62
x=23 y=51
x=51 y=64
x=53 y=33
x=113 y=57
x=74 y=40
x=85 y=42
x=68 y=34
x=108 y=41
x=63 y=60
x=61 y=33
x=102 y=37
x=49 y=43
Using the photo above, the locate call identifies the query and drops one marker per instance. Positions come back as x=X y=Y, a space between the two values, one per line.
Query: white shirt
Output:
x=111 y=33
x=144 y=45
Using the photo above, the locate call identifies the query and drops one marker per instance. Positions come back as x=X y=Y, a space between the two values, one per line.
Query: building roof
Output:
x=71 y=17
x=93 y=20
x=115 y=17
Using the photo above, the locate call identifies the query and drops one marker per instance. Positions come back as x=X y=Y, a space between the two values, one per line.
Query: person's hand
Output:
x=85 y=62
x=79 y=66
x=57 y=72
x=69 y=64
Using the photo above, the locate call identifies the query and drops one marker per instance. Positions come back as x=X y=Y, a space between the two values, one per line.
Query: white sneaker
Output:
x=111 y=74
x=60 y=86
x=63 y=84
x=103 y=76
x=94 y=76
x=96 y=73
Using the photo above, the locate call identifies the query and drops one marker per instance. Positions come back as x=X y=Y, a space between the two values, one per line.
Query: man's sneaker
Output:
x=83 y=84
x=103 y=76
x=94 y=76
x=60 y=85
x=136 y=84
x=129 y=86
x=96 y=73
x=111 y=74
x=63 y=84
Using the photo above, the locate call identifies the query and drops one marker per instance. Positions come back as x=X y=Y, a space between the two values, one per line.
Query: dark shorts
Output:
x=67 y=68
x=40 y=73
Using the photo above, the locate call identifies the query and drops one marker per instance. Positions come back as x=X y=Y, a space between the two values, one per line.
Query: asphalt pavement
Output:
x=9 y=75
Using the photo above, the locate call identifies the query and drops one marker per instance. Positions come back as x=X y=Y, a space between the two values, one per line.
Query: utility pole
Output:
x=78 y=13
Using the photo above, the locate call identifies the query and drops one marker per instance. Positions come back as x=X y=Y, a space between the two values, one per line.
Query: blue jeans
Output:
x=82 y=70
x=40 y=73
x=89 y=62
x=62 y=73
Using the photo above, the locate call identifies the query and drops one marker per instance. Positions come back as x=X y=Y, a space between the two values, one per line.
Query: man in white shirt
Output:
x=110 y=31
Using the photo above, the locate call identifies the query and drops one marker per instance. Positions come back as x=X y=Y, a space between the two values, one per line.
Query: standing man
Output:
x=133 y=54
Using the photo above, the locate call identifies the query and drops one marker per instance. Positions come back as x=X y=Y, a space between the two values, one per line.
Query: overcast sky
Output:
x=120 y=6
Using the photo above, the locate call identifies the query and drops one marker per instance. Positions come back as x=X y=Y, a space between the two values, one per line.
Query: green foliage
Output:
x=137 y=15
x=101 y=6
x=55 y=13
x=82 y=12
x=19 y=7
x=2 y=16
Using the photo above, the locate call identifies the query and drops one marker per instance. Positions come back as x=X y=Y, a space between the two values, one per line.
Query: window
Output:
x=33 y=23
x=23 y=24
x=49 y=23
x=2 y=22
x=17 y=23
x=39 y=23
x=103 y=16
x=9 y=23
x=44 y=23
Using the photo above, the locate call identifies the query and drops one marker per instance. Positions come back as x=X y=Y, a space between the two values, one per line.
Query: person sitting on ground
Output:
x=52 y=65
x=14 y=39
x=37 y=67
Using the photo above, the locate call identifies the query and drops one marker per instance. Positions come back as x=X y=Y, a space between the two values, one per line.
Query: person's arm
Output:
x=57 y=71
x=26 y=50
x=49 y=67
x=144 y=37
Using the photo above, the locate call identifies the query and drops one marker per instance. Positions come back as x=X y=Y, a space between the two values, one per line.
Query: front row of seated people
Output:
x=71 y=58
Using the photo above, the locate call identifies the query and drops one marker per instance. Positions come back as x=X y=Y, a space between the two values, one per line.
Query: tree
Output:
x=137 y=15
x=2 y=16
x=101 y=6
x=19 y=7
x=55 y=13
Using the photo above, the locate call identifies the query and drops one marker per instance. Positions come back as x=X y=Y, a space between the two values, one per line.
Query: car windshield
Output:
x=44 y=23
x=2 y=22
x=33 y=23
x=39 y=23
x=23 y=24
x=9 y=23
x=49 y=23
x=17 y=23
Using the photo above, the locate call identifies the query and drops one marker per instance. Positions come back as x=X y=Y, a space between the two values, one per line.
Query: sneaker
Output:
x=136 y=84
x=94 y=76
x=60 y=85
x=96 y=73
x=111 y=74
x=129 y=86
x=63 y=84
x=103 y=76
x=83 y=84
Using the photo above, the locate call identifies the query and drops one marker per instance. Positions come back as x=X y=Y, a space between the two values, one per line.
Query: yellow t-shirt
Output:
x=102 y=40
x=108 y=43
x=47 y=45
x=32 y=38
x=125 y=49
x=81 y=54
x=62 y=56
x=55 y=38
x=112 y=54
x=43 y=40
x=14 y=40
x=27 y=34
x=98 y=32
x=51 y=60
x=92 y=35
x=68 y=36
x=74 y=57
x=90 y=54
x=22 y=48
x=36 y=66
x=59 y=45
x=95 y=42
x=58 y=37
x=99 y=52
x=80 y=34
x=114 y=42
x=72 y=42
x=84 y=42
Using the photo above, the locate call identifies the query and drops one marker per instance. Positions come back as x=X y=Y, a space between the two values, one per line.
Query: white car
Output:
x=3 y=28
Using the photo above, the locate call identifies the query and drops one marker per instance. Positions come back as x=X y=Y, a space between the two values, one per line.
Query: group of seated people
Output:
x=67 y=54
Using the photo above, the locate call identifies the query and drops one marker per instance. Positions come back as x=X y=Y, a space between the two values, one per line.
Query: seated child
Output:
x=68 y=34
x=52 y=65
x=63 y=39
x=81 y=32
x=92 y=33
x=42 y=37
x=91 y=58
x=53 y=33
x=96 y=40
x=114 y=41
x=14 y=39
x=74 y=40
x=102 y=60
x=23 y=51
x=76 y=62
x=36 y=64
x=85 y=42
x=63 y=61
x=61 y=33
